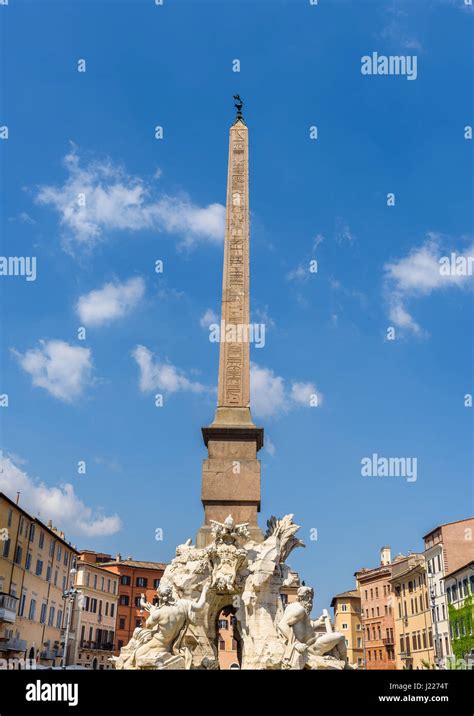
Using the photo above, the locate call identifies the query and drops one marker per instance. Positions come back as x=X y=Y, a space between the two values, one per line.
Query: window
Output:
x=48 y=573
x=112 y=610
x=10 y=517
x=345 y=626
x=93 y=608
x=359 y=643
x=59 y=619
x=114 y=587
x=58 y=553
x=122 y=623
x=51 y=616
x=142 y=582
x=51 y=548
x=6 y=548
x=156 y=583
x=376 y=592
x=31 y=613
x=221 y=644
x=222 y=624
x=413 y=641
x=119 y=644
x=32 y=532
x=44 y=607
x=95 y=581
x=106 y=609
x=66 y=558
x=21 y=606
x=124 y=600
x=108 y=585
x=28 y=560
x=64 y=584
x=125 y=579
x=41 y=540
x=343 y=607
x=39 y=567
x=424 y=638
x=18 y=554
x=85 y=604
x=448 y=594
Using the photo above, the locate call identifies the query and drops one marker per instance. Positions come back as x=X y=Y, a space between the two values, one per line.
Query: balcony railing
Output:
x=106 y=646
x=13 y=645
x=8 y=605
x=51 y=654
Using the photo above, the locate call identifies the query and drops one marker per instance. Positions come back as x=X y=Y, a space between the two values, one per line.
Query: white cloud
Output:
x=158 y=375
x=59 y=504
x=101 y=197
x=209 y=316
x=271 y=395
x=303 y=393
x=269 y=446
x=300 y=273
x=342 y=232
x=60 y=368
x=110 y=302
x=419 y=274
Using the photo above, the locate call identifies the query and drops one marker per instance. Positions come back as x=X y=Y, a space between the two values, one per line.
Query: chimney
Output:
x=385 y=556
x=118 y=557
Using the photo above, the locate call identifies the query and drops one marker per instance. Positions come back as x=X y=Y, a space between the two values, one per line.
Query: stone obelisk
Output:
x=231 y=472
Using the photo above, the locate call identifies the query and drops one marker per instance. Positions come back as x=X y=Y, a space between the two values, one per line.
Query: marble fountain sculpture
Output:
x=235 y=572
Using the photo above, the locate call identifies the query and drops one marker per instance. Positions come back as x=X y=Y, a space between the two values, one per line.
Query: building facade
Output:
x=378 y=625
x=413 y=624
x=135 y=578
x=92 y=636
x=459 y=589
x=35 y=570
x=348 y=621
x=447 y=548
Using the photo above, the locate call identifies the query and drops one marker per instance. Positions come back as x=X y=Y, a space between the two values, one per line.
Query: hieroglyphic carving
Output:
x=234 y=368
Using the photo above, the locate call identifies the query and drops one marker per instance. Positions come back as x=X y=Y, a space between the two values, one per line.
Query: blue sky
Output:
x=150 y=199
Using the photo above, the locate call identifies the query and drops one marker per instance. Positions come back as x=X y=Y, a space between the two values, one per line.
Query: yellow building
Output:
x=94 y=614
x=347 y=621
x=412 y=613
x=35 y=564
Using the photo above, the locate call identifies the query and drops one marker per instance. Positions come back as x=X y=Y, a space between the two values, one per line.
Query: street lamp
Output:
x=69 y=595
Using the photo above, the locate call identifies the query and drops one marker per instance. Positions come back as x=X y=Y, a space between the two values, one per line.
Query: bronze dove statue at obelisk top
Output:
x=231 y=473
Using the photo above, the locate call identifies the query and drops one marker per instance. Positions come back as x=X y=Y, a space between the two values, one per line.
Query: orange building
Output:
x=136 y=578
x=377 y=613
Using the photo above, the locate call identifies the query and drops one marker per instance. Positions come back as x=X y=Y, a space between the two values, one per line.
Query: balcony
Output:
x=52 y=654
x=388 y=641
x=8 y=606
x=12 y=644
x=107 y=646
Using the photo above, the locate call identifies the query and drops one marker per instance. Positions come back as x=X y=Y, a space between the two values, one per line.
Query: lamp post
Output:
x=69 y=595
